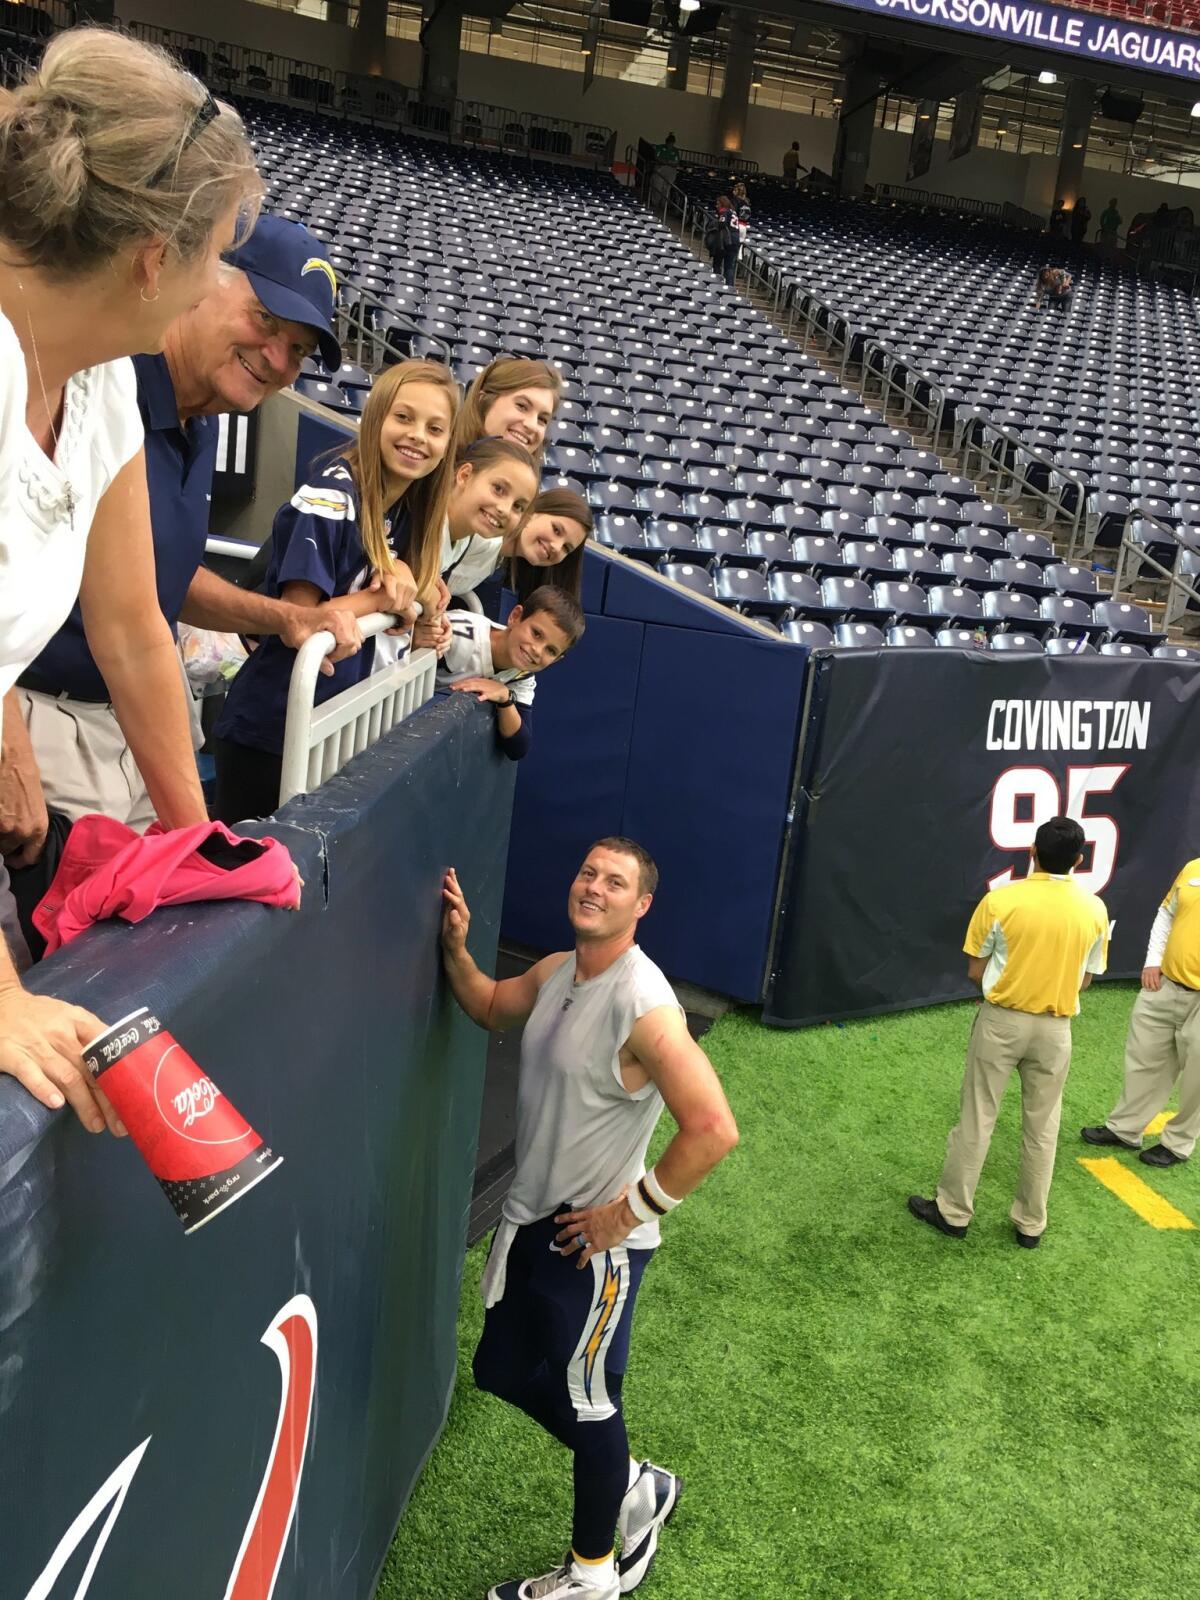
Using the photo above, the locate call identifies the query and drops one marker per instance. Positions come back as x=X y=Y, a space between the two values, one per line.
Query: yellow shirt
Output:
x=1181 y=959
x=1040 y=935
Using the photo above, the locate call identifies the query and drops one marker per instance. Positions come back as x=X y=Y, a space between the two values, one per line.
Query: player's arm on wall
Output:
x=494 y=1003
x=684 y=1076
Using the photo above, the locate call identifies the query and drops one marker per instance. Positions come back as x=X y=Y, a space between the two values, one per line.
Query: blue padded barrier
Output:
x=705 y=750
x=571 y=786
x=331 y=1029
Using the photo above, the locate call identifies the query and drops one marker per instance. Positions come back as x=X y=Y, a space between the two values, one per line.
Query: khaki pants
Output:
x=1163 y=1044
x=85 y=762
x=1039 y=1048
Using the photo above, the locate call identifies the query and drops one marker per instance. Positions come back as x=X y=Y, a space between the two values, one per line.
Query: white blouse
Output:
x=466 y=563
x=46 y=507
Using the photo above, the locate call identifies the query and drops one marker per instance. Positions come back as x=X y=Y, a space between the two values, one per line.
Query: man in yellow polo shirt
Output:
x=1034 y=944
x=1163 y=1043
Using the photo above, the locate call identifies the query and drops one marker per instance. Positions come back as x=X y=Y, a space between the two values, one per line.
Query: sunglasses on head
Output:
x=207 y=110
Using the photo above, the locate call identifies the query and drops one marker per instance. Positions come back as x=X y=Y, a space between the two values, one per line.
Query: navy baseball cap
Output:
x=290 y=272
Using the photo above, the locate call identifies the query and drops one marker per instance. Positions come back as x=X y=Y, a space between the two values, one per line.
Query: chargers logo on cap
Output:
x=319 y=264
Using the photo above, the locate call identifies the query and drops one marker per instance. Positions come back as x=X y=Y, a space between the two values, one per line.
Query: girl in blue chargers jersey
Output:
x=364 y=533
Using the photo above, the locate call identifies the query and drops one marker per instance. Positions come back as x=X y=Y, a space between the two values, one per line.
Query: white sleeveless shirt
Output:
x=46 y=507
x=581 y=1134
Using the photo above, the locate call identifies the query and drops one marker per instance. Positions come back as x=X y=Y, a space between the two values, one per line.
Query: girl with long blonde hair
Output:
x=364 y=534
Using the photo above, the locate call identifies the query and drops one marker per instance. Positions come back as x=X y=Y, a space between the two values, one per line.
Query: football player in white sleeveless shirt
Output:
x=605 y=1046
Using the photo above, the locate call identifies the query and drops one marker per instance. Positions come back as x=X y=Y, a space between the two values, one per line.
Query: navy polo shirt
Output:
x=179 y=468
x=315 y=539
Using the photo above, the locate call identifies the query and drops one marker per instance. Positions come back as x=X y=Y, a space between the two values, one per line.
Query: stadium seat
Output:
x=1125 y=621
x=905 y=638
x=798 y=590
x=868 y=559
x=698 y=579
x=740 y=586
x=1175 y=652
x=915 y=561
x=619 y=532
x=849 y=597
x=858 y=636
x=804 y=631
x=1016 y=643
x=1026 y=576
x=660 y=533
x=1111 y=647
x=1073 y=580
x=1069 y=646
x=1013 y=610
x=901 y=600
x=959 y=639
x=954 y=604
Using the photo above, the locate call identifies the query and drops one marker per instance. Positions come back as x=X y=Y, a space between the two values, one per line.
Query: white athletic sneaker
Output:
x=561 y=1584
x=645 y=1511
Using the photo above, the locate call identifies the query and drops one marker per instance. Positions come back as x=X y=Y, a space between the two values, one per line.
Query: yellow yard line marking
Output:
x=1159 y=1122
x=1139 y=1196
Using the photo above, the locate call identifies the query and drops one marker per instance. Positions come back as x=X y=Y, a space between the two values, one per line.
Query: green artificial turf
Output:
x=863 y=1409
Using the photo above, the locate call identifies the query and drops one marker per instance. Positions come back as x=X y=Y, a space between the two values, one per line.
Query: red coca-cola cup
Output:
x=202 y=1151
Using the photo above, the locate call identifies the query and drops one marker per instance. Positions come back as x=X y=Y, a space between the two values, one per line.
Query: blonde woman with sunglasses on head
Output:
x=121 y=181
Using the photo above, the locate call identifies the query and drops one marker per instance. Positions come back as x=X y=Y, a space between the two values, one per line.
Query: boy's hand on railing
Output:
x=485 y=689
x=342 y=624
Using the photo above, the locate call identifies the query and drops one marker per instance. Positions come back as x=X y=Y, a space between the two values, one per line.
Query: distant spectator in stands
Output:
x=668 y=151
x=543 y=535
x=1110 y=224
x=496 y=662
x=512 y=398
x=121 y=180
x=724 y=240
x=1081 y=216
x=791 y=164
x=1058 y=223
x=366 y=533
x=1053 y=288
x=65 y=751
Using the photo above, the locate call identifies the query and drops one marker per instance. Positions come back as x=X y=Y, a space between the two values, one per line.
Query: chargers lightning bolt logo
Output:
x=610 y=1293
x=319 y=264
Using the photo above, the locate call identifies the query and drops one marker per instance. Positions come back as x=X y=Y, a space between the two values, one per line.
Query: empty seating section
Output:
x=710 y=447
x=1104 y=393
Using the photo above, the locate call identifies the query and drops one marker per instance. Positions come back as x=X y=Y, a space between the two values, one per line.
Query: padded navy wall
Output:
x=675 y=723
x=331 y=1029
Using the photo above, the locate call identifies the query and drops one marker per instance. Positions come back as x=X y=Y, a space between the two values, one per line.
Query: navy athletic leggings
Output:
x=557 y=1346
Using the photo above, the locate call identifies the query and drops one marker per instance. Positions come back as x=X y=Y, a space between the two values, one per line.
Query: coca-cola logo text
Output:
x=196 y=1100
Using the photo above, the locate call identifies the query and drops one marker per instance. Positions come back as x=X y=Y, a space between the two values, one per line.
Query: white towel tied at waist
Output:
x=495 y=1274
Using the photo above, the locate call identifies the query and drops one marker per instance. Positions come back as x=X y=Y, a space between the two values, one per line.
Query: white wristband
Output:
x=648 y=1200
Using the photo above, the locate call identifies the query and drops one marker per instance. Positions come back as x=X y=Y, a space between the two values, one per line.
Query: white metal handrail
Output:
x=1133 y=558
x=240 y=549
x=319 y=740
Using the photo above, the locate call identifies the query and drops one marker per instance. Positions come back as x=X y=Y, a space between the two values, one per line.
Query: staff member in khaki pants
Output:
x=1164 y=1034
x=1034 y=944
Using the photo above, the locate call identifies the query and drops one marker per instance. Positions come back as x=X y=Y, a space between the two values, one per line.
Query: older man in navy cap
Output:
x=273 y=307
